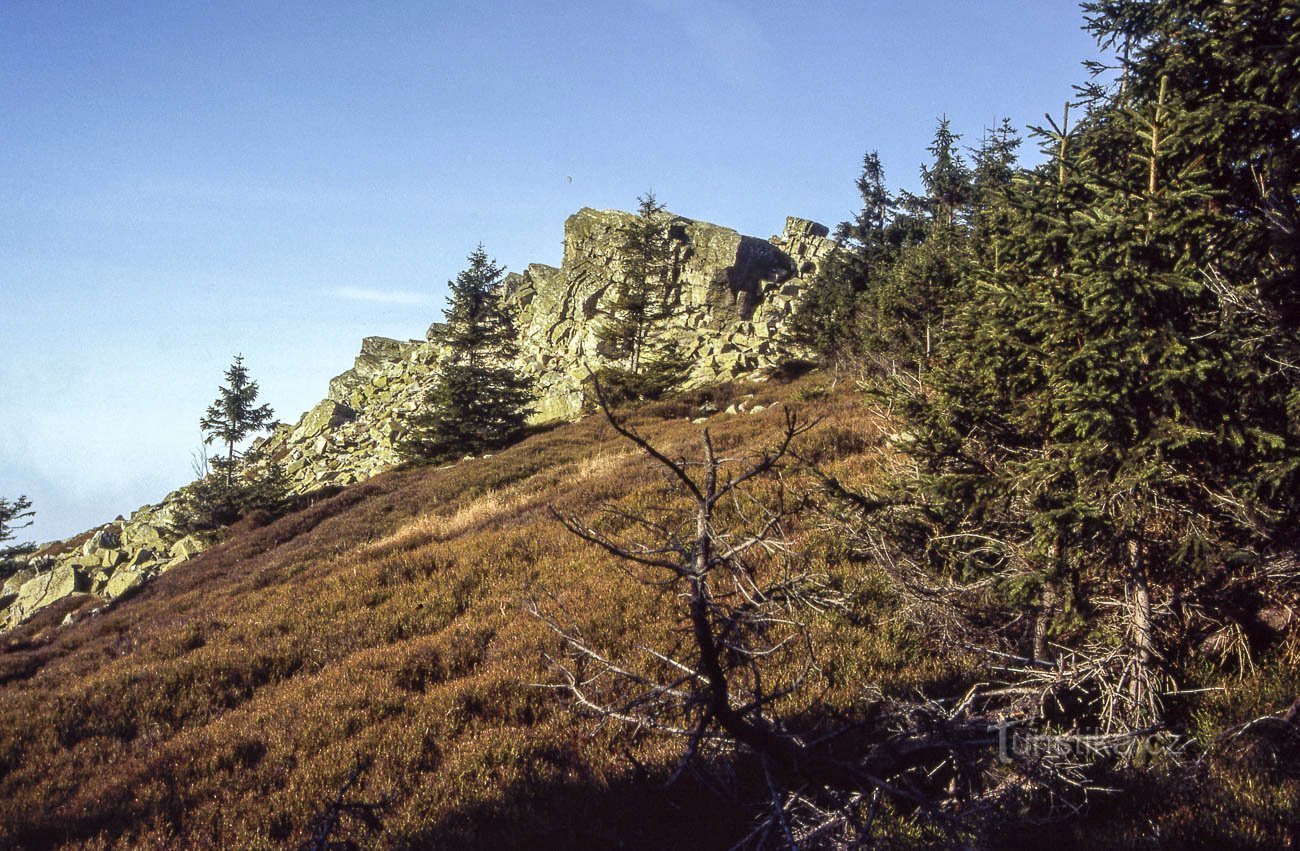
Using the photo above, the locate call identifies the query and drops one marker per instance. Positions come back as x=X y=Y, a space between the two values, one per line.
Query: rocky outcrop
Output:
x=109 y=561
x=731 y=297
x=730 y=301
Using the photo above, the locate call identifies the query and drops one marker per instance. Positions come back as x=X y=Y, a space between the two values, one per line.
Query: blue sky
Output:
x=181 y=181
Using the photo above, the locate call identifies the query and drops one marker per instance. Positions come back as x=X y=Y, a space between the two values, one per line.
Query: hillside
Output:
x=224 y=704
x=730 y=298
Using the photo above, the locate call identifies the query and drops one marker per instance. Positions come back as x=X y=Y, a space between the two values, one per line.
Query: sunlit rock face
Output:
x=731 y=297
x=109 y=562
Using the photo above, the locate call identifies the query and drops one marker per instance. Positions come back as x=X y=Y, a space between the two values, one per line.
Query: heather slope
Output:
x=224 y=704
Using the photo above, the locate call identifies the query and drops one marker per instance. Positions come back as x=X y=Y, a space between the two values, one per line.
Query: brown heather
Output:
x=226 y=703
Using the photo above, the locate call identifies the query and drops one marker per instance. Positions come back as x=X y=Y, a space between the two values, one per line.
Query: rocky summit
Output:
x=731 y=295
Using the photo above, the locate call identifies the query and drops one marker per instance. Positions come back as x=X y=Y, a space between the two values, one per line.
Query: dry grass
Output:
x=227 y=702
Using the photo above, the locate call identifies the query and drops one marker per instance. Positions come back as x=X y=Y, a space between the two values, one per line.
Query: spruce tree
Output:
x=234 y=416
x=634 y=333
x=240 y=481
x=830 y=319
x=947 y=179
x=14 y=515
x=911 y=300
x=1115 y=408
x=641 y=296
x=479 y=401
x=992 y=175
x=1231 y=74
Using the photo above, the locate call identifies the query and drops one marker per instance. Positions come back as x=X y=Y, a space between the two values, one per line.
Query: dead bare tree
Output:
x=746 y=602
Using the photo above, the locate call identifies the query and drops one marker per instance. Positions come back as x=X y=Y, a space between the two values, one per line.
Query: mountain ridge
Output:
x=732 y=296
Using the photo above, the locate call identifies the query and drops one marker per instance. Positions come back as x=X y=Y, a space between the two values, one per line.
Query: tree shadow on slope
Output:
x=628 y=813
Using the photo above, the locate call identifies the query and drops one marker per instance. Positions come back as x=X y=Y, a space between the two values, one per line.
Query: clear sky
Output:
x=181 y=181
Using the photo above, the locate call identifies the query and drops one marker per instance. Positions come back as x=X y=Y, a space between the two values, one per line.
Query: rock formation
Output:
x=732 y=296
x=109 y=561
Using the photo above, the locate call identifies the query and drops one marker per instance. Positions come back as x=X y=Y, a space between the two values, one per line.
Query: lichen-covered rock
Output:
x=48 y=588
x=105 y=538
x=731 y=294
x=726 y=288
x=9 y=589
x=122 y=583
x=140 y=558
x=187 y=548
x=124 y=546
x=376 y=354
x=111 y=558
x=328 y=414
x=138 y=534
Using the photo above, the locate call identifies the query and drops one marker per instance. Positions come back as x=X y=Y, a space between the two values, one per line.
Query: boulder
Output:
x=140 y=557
x=796 y=228
x=102 y=540
x=48 y=588
x=164 y=515
x=84 y=563
x=9 y=589
x=376 y=353
x=123 y=582
x=138 y=534
x=326 y=415
x=187 y=548
x=111 y=558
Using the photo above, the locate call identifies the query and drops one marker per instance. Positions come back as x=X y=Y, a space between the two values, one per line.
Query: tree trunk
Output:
x=1047 y=604
x=1140 y=606
x=1142 y=683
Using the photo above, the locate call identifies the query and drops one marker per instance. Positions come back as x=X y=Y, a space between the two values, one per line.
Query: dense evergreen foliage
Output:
x=1102 y=400
x=885 y=298
x=479 y=402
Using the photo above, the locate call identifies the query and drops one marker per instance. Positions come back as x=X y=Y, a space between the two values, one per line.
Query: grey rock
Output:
x=187 y=548
x=123 y=582
x=327 y=415
x=137 y=534
x=48 y=588
x=9 y=588
x=101 y=540
x=141 y=557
